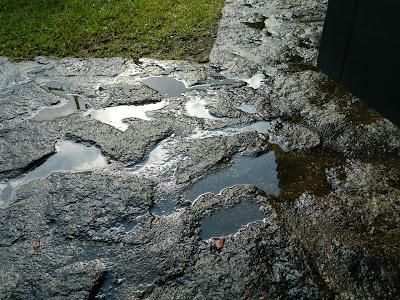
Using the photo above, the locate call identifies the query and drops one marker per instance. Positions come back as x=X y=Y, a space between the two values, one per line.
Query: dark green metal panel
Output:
x=336 y=37
x=360 y=48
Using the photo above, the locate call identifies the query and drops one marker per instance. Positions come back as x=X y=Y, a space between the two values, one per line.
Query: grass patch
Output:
x=168 y=29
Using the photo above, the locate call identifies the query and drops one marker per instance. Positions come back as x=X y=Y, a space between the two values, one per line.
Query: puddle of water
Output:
x=228 y=221
x=165 y=203
x=260 y=126
x=159 y=163
x=164 y=208
x=260 y=171
x=263 y=127
x=196 y=107
x=248 y=108
x=116 y=115
x=70 y=157
x=165 y=197
x=255 y=81
x=60 y=111
x=156 y=157
x=129 y=225
x=167 y=86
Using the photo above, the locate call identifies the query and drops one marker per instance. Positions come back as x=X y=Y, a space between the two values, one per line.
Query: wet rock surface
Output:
x=126 y=229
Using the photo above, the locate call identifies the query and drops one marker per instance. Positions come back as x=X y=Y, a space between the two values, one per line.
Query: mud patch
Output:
x=301 y=172
x=260 y=171
x=363 y=114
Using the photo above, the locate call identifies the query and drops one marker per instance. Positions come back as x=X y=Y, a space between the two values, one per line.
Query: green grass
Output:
x=168 y=29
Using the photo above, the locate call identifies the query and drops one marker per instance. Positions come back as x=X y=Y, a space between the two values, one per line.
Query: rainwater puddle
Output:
x=255 y=81
x=229 y=220
x=163 y=208
x=157 y=156
x=70 y=157
x=259 y=126
x=260 y=171
x=196 y=107
x=169 y=87
x=248 y=108
x=165 y=197
x=263 y=127
x=159 y=163
x=129 y=225
x=62 y=110
x=115 y=116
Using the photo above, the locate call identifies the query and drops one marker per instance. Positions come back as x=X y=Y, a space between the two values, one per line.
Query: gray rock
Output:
x=264 y=248
x=294 y=137
x=333 y=231
x=341 y=235
x=75 y=217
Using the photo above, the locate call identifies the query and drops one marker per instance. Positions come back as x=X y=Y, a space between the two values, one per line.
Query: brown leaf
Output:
x=37 y=246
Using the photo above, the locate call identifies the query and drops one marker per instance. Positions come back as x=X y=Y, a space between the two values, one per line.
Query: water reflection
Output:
x=256 y=81
x=249 y=108
x=228 y=220
x=196 y=107
x=163 y=207
x=260 y=126
x=156 y=157
x=60 y=111
x=167 y=86
x=170 y=87
x=260 y=171
x=70 y=157
x=115 y=116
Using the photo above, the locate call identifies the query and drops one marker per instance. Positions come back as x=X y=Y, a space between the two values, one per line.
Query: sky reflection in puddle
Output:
x=62 y=110
x=70 y=157
x=248 y=108
x=155 y=159
x=260 y=171
x=229 y=220
x=167 y=86
x=262 y=127
x=115 y=116
x=256 y=81
x=170 y=87
x=196 y=107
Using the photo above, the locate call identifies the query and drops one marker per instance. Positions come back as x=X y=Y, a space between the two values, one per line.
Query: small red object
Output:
x=219 y=243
